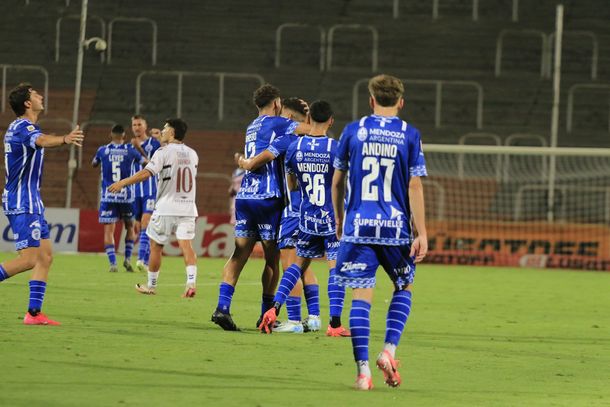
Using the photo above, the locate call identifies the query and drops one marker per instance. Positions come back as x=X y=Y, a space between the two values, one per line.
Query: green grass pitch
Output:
x=476 y=337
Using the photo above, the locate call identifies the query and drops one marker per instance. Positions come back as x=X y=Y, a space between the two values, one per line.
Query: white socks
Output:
x=363 y=367
x=152 y=279
x=391 y=348
x=191 y=276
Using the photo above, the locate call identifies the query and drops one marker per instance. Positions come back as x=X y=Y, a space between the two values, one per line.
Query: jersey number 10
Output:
x=370 y=192
x=184 y=180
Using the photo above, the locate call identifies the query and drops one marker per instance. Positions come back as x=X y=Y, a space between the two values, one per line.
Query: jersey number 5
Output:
x=116 y=171
x=184 y=180
x=370 y=192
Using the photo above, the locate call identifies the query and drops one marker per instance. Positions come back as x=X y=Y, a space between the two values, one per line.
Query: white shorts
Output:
x=160 y=228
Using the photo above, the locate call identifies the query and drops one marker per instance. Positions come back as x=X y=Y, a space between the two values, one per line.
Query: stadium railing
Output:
x=475 y=10
x=439 y=84
x=58 y=23
x=570 y=103
x=575 y=33
x=181 y=74
x=521 y=32
x=43 y=70
x=374 y=47
x=145 y=20
x=278 y=41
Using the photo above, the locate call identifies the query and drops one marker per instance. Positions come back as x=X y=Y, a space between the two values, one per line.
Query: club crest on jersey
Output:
x=299 y=156
x=106 y=151
x=362 y=134
x=36 y=234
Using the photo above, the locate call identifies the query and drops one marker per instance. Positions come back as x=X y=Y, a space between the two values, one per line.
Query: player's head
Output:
x=386 y=91
x=24 y=97
x=138 y=125
x=267 y=96
x=117 y=133
x=321 y=113
x=174 y=129
x=155 y=133
x=293 y=108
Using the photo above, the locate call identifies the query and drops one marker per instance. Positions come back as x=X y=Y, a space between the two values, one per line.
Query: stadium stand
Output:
x=415 y=45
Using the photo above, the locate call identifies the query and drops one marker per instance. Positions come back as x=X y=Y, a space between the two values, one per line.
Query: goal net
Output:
x=518 y=206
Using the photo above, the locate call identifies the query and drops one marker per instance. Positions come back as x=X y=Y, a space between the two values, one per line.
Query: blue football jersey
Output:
x=311 y=160
x=23 y=161
x=381 y=154
x=116 y=163
x=148 y=187
x=271 y=133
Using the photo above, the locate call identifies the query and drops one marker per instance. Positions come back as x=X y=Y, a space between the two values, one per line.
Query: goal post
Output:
x=518 y=206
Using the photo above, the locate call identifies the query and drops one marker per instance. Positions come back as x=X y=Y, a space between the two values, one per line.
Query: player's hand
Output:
x=75 y=137
x=339 y=228
x=419 y=248
x=116 y=187
x=269 y=318
x=237 y=157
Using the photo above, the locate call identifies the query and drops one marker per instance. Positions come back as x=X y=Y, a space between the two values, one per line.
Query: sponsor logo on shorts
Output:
x=265 y=226
x=241 y=222
x=404 y=270
x=36 y=234
x=333 y=245
x=349 y=266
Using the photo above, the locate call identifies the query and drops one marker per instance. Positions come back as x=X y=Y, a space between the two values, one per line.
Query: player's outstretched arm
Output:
x=338 y=194
x=139 y=176
x=75 y=137
x=419 y=248
x=254 y=163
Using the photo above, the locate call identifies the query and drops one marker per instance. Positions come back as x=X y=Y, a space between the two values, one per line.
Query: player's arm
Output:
x=136 y=144
x=419 y=248
x=254 y=163
x=75 y=137
x=338 y=194
x=292 y=182
x=139 y=176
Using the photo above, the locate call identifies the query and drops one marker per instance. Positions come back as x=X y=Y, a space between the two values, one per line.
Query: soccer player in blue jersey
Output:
x=116 y=160
x=383 y=160
x=309 y=162
x=295 y=109
x=24 y=146
x=145 y=192
x=259 y=203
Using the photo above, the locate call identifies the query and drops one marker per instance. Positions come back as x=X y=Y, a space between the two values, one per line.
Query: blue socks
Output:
x=360 y=326
x=399 y=310
x=144 y=249
x=111 y=254
x=225 y=295
x=37 y=290
x=3 y=274
x=293 y=308
x=312 y=296
x=289 y=280
x=128 y=249
x=336 y=295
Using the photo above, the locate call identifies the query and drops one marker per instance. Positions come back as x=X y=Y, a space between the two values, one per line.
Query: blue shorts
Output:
x=28 y=229
x=112 y=212
x=142 y=205
x=358 y=263
x=312 y=246
x=289 y=232
x=259 y=218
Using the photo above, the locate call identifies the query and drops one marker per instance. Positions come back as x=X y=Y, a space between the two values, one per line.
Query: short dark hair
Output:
x=295 y=105
x=320 y=111
x=18 y=96
x=138 y=117
x=264 y=95
x=179 y=127
x=117 y=129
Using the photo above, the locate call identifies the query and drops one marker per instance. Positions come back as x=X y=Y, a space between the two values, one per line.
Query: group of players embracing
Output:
x=358 y=201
